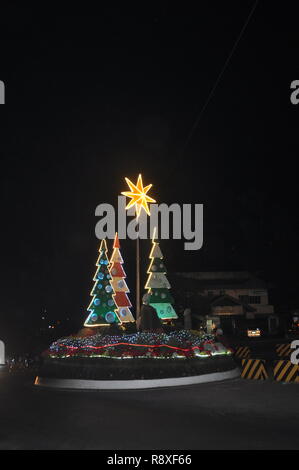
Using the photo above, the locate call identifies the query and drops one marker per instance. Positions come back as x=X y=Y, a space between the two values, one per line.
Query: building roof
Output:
x=226 y=300
x=204 y=304
x=218 y=280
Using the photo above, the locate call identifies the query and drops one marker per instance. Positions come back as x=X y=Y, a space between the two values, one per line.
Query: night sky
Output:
x=93 y=97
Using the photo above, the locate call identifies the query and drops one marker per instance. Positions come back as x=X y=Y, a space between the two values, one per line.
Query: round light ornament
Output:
x=110 y=317
x=123 y=312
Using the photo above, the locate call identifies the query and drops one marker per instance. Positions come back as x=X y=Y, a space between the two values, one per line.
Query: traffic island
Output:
x=140 y=360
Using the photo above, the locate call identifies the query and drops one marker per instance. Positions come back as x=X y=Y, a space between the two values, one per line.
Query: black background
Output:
x=95 y=96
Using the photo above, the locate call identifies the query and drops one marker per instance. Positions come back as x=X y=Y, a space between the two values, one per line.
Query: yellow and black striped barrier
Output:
x=284 y=350
x=254 y=369
x=286 y=371
x=243 y=352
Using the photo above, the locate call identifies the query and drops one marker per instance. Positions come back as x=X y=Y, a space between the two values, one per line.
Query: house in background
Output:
x=235 y=300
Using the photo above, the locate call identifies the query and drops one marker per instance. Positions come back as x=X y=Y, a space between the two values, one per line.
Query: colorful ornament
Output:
x=110 y=317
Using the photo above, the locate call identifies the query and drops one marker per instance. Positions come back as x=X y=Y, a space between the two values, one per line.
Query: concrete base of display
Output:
x=3 y=369
x=134 y=384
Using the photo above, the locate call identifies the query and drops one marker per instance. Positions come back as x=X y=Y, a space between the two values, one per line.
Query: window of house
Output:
x=250 y=299
x=255 y=299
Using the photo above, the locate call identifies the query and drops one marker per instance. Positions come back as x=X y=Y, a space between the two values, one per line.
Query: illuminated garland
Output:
x=139 y=345
x=181 y=337
x=179 y=344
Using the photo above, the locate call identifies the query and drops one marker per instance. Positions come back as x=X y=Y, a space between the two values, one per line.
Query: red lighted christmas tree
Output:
x=119 y=284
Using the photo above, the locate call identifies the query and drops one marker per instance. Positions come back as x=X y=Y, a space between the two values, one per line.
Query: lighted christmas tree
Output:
x=102 y=307
x=158 y=286
x=119 y=284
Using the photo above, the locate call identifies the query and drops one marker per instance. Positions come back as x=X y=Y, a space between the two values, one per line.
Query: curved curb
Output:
x=134 y=384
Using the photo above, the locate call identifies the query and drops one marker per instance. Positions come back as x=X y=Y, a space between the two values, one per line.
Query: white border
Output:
x=134 y=384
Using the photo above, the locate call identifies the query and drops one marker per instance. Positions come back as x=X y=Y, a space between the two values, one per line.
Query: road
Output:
x=235 y=414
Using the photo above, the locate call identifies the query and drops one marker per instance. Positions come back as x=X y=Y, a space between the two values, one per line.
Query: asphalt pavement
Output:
x=235 y=414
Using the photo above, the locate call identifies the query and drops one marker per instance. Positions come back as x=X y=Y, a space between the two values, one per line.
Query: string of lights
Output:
x=178 y=342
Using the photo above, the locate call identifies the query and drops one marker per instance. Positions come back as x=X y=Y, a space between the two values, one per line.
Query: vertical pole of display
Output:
x=137 y=273
x=139 y=199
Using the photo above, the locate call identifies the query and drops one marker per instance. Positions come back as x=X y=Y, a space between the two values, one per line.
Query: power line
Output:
x=219 y=76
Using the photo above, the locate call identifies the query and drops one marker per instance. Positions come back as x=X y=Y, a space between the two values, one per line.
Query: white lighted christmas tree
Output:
x=158 y=285
x=119 y=284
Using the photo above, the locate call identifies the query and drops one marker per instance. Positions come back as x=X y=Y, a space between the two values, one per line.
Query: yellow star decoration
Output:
x=138 y=195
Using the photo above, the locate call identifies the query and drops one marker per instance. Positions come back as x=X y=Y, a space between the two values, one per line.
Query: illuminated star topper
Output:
x=138 y=195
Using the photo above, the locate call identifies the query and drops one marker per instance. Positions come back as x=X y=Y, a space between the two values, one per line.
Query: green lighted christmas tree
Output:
x=102 y=307
x=158 y=286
